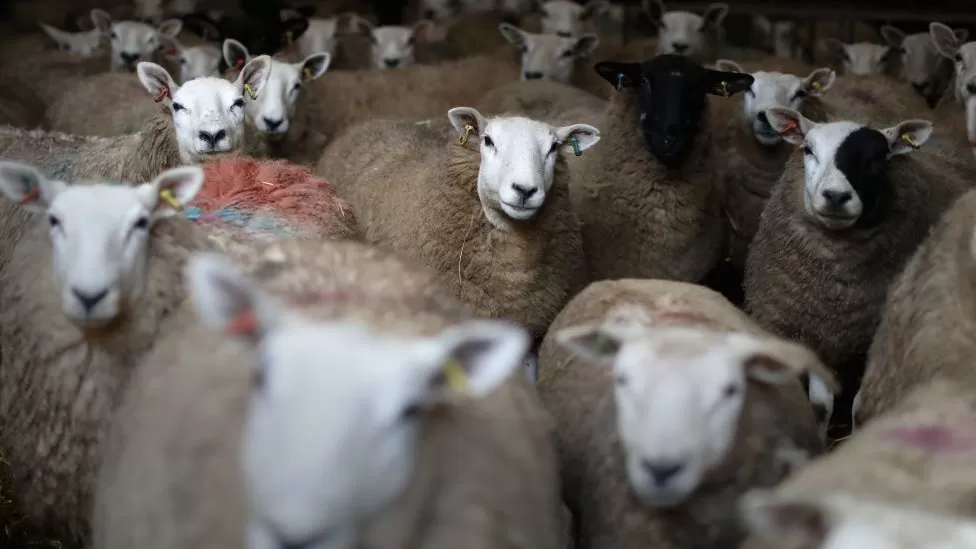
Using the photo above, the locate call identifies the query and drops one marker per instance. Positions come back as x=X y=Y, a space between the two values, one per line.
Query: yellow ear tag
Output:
x=167 y=196
x=468 y=128
x=818 y=87
x=725 y=89
x=250 y=91
x=908 y=139
x=308 y=73
x=289 y=37
x=457 y=380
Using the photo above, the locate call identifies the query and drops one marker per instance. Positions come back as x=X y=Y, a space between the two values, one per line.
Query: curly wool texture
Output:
x=271 y=199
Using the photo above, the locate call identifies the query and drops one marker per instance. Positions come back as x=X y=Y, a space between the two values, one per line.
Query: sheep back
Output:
x=106 y=104
x=539 y=99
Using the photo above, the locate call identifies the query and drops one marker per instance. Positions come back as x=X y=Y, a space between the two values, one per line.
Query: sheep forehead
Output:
x=548 y=44
x=563 y=11
x=96 y=208
x=392 y=35
x=520 y=134
x=130 y=32
x=323 y=27
x=968 y=52
x=866 y=50
x=916 y=44
x=826 y=138
x=775 y=87
x=202 y=58
x=664 y=359
x=207 y=93
x=282 y=77
x=681 y=21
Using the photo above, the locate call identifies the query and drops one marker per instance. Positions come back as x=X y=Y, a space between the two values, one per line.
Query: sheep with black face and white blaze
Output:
x=852 y=205
x=648 y=198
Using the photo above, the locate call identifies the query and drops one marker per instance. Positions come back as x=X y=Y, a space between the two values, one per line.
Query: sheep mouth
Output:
x=520 y=209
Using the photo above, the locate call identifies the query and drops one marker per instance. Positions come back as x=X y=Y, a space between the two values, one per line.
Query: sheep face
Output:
x=392 y=46
x=863 y=58
x=313 y=475
x=195 y=61
x=919 y=61
x=320 y=37
x=440 y=10
x=568 y=19
x=131 y=41
x=83 y=43
x=778 y=36
x=774 y=89
x=547 y=56
x=679 y=392
x=846 y=165
x=208 y=113
x=682 y=32
x=518 y=159
x=963 y=55
x=670 y=92
x=100 y=234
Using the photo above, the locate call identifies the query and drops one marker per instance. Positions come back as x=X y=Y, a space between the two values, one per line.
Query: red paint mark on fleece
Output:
x=864 y=96
x=936 y=439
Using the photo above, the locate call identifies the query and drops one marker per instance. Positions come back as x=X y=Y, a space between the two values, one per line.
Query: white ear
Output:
x=714 y=15
x=228 y=300
x=170 y=27
x=577 y=138
x=775 y=361
x=59 y=36
x=789 y=124
x=790 y=521
x=945 y=39
x=420 y=32
x=655 y=10
x=586 y=45
x=102 y=21
x=728 y=65
x=893 y=36
x=26 y=186
x=475 y=357
x=315 y=65
x=157 y=82
x=171 y=191
x=907 y=136
x=254 y=76
x=819 y=81
x=235 y=53
x=836 y=47
x=466 y=121
x=591 y=342
x=513 y=34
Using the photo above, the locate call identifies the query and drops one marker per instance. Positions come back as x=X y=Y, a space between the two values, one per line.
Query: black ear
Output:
x=727 y=83
x=619 y=75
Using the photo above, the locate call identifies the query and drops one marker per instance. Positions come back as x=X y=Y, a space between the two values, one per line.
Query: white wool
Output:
x=963 y=55
x=684 y=32
x=208 y=113
x=327 y=447
x=518 y=158
x=272 y=111
x=824 y=181
x=920 y=60
x=863 y=58
x=320 y=37
x=548 y=56
x=392 y=46
x=569 y=19
x=83 y=43
x=99 y=233
x=194 y=61
x=131 y=41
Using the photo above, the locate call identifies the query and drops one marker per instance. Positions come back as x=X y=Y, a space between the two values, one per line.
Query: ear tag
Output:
x=620 y=81
x=468 y=128
x=454 y=374
x=250 y=91
x=163 y=93
x=725 y=89
x=790 y=128
x=243 y=323
x=289 y=37
x=908 y=139
x=816 y=86
x=239 y=64
x=167 y=196
x=576 y=146
x=31 y=192
x=308 y=73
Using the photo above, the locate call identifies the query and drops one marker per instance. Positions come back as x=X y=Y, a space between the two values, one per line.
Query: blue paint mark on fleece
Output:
x=261 y=222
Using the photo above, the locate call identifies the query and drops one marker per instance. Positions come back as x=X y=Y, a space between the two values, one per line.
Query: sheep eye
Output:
x=238 y=103
x=489 y=142
x=619 y=380
x=554 y=147
x=567 y=53
x=730 y=391
x=298 y=86
x=183 y=61
x=411 y=411
x=177 y=107
x=524 y=49
x=115 y=36
x=800 y=94
x=807 y=151
x=750 y=93
x=958 y=58
x=141 y=223
x=53 y=221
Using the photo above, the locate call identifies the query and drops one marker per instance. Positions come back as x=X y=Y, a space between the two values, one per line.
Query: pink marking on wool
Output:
x=681 y=316
x=936 y=439
x=865 y=96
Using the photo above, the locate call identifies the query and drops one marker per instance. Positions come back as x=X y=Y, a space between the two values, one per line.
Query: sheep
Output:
x=778 y=37
x=20 y=107
x=919 y=456
x=963 y=56
x=545 y=100
x=391 y=46
x=107 y=104
x=921 y=65
x=320 y=37
x=197 y=61
x=279 y=112
x=754 y=154
x=158 y=490
x=76 y=316
x=568 y=19
x=847 y=521
x=686 y=33
x=923 y=332
x=877 y=98
x=82 y=43
x=850 y=208
x=131 y=41
x=862 y=58
x=706 y=405
x=647 y=198
x=548 y=56
x=505 y=241
x=207 y=119
x=46 y=74
x=468 y=34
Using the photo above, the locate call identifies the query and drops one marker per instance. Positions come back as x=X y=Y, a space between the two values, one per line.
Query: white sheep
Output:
x=76 y=316
x=962 y=54
x=195 y=61
x=548 y=56
x=921 y=64
x=862 y=58
x=569 y=19
x=132 y=41
x=687 y=33
x=778 y=36
x=83 y=43
x=391 y=46
x=319 y=37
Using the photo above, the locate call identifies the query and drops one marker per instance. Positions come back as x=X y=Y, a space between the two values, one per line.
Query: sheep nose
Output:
x=89 y=301
x=919 y=86
x=679 y=47
x=129 y=58
x=565 y=34
x=762 y=118
x=971 y=88
x=533 y=75
x=524 y=192
x=212 y=138
x=272 y=125
x=391 y=63
x=662 y=471
x=836 y=198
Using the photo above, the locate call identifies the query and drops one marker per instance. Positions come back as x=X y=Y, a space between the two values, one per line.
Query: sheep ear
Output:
x=944 y=39
x=594 y=8
x=714 y=15
x=619 y=75
x=474 y=358
x=726 y=83
x=170 y=27
x=591 y=342
x=728 y=65
x=254 y=76
x=893 y=36
x=421 y=31
x=466 y=121
x=655 y=10
x=789 y=124
x=228 y=300
x=60 y=37
x=836 y=48
x=784 y=519
x=102 y=21
x=360 y=25
x=961 y=35
x=171 y=191
x=235 y=54
x=819 y=81
x=315 y=65
x=25 y=185
x=577 y=138
x=762 y=24
x=172 y=49
x=513 y=34
x=585 y=45
x=907 y=136
x=157 y=81
x=776 y=361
